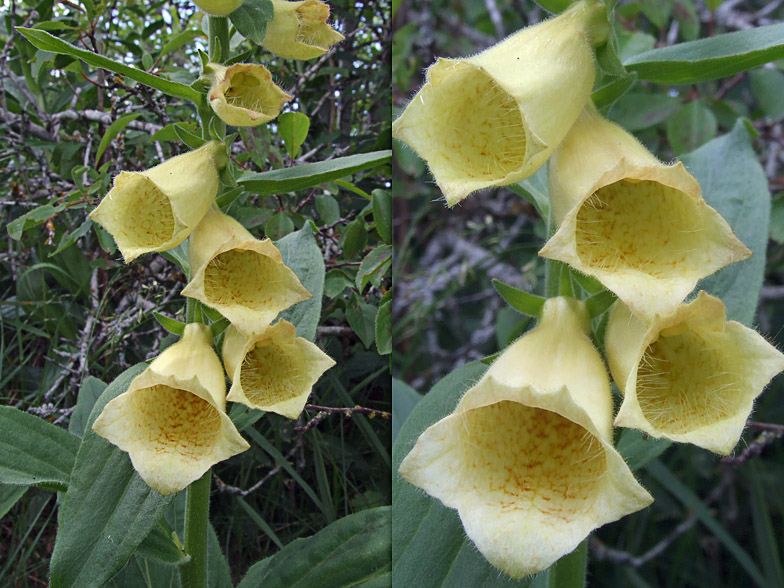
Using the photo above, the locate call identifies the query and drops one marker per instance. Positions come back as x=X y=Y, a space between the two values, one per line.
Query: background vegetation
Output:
x=73 y=316
x=713 y=520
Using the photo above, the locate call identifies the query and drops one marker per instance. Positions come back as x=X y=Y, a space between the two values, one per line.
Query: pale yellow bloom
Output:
x=218 y=7
x=244 y=94
x=527 y=456
x=242 y=277
x=299 y=30
x=156 y=210
x=639 y=226
x=493 y=119
x=273 y=370
x=172 y=419
x=691 y=376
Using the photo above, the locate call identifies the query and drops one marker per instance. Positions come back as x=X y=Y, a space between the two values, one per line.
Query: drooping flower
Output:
x=156 y=210
x=299 y=30
x=637 y=225
x=218 y=7
x=172 y=419
x=493 y=119
x=242 y=277
x=691 y=376
x=273 y=370
x=527 y=457
x=244 y=94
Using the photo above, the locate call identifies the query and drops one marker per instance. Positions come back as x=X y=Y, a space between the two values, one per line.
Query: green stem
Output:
x=569 y=571
x=219 y=39
x=197 y=511
x=552 y=268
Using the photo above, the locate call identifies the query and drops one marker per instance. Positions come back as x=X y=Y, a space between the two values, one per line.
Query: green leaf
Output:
x=693 y=125
x=311 y=174
x=536 y=190
x=361 y=317
x=657 y=11
x=328 y=208
x=278 y=226
x=382 y=214
x=734 y=183
x=352 y=551
x=404 y=399
x=160 y=546
x=293 y=129
x=107 y=511
x=608 y=94
x=251 y=19
x=599 y=302
x=354 y=238
x=46 y=42
x=301 y=253
x=640 y=110
x=172 y=325
x=374 y=267
x=693 y=503
x=117 y=127
x=185 y=135
x=638 y=449
x=765 y=532
x=31 y=219
x=429 y=546
x=711 y=58
x=384 y=328
x=9 y=496
x=522 y=301
x=71 y=238
x=33 y=451
x=337 y=281
x=554 y=6
x=90 y=391
x=767 y=85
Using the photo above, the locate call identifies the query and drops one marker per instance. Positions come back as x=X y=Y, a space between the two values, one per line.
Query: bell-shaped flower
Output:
x=244 y=94
x=273 y=370
x=241 y=277
x=637 y=225
x=526 y=458
x=299 y=30
x=172 y=419
x=493 y=119
x=156 y=210
x=691 y=376
x=218 y=7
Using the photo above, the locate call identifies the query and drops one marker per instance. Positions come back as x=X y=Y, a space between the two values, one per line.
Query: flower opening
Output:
x=639 y=226
x=299 y=30
x=526 y=458
x=244 y=94
x=274 y=370
x=172 y=419
x=242 y=277
x=156 y=210
x=691 y=376
x=493 y=119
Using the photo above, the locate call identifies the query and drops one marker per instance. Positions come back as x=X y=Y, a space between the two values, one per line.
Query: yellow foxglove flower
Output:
x=639 y=226
x=691 y=376
x=299 y=30
x=242 y=277
x=218 y=7
x=156 y=210
x=527 y=456
x=172 y=419
x=244 y=94
x=493 y=119
x=273 y=370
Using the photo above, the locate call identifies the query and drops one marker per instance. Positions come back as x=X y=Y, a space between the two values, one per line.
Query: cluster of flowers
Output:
x=527 y=456
x=172 y=420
